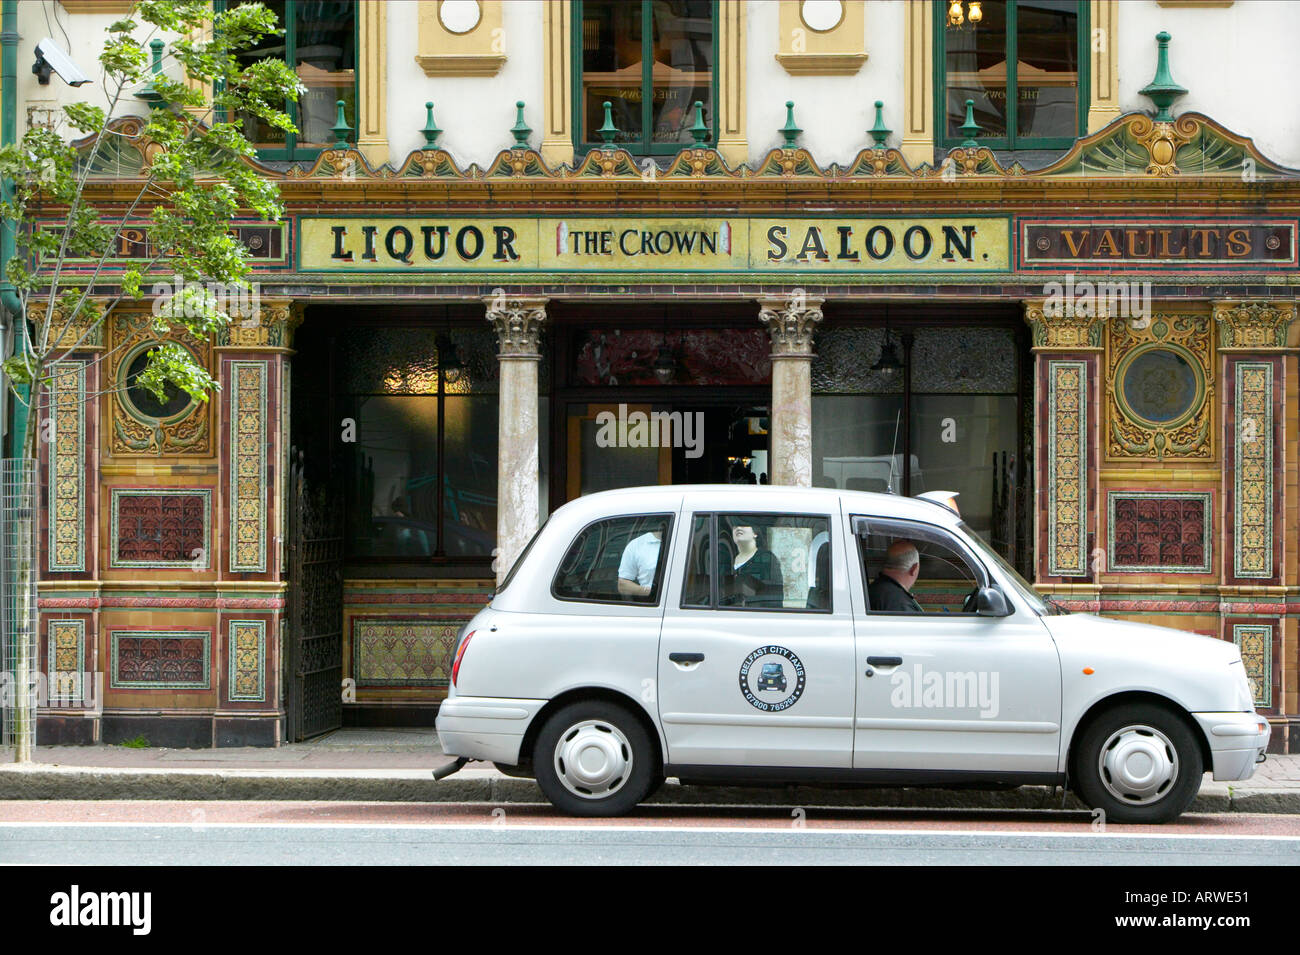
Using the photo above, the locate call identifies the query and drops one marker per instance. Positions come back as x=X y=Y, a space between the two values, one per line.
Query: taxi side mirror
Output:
x=990 y=602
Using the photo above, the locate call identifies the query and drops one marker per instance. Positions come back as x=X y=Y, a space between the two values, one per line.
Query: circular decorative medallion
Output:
x=821 y=15
x=1159 y=386
x=459 y=16
x=772 y=679
x=140 y=401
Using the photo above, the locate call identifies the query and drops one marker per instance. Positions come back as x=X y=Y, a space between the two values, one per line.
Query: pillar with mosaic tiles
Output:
x=1256 y=355
x=70 y=460
x=1067 y=351
x=252 y=354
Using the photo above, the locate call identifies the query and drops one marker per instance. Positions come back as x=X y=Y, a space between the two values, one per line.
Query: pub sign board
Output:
x=655 y=244
x=1188 y=244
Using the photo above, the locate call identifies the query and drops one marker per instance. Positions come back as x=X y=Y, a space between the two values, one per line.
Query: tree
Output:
x=198 y=179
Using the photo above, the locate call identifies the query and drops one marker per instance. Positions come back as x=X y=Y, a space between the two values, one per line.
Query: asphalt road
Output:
x=216 y=833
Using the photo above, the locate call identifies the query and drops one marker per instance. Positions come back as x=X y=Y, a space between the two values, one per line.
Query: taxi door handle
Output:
x=885 y=661
x=686 y=657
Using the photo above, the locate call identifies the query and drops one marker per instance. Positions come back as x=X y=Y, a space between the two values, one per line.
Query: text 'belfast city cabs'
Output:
x=751 y=634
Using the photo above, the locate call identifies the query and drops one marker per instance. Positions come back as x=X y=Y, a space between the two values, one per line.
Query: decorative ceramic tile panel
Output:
x=1067 y=468
x=247 y=653
x=161 y=527
x=68 y=467
x=390 y=651
x=1253 y=476
x=1256 y=643
x=1164 y=532
x=1160 y=389
x=248 y=484
x=65 y=660
x=159 y=659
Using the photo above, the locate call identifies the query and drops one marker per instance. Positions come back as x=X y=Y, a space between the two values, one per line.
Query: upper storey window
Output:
x=320 y=40
x=651 y=62
x=1022 y=62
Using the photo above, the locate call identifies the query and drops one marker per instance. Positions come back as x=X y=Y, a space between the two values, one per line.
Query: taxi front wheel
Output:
x=594 y=759
x=1138 y=763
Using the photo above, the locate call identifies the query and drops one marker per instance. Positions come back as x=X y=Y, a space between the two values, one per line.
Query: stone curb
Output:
x=58 y=782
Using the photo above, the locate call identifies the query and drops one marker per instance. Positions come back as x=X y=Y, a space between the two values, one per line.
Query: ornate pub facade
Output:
x=1075 y=310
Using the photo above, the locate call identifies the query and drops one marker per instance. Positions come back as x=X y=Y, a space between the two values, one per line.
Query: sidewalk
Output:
x=395 y=765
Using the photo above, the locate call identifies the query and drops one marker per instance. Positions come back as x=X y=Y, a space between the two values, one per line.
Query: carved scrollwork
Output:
x=134 y=433
x=1160 y=389
x=1254 y=325
x=518 y=324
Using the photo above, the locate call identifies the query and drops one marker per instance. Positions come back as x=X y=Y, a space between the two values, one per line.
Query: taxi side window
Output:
x=909 y=567
x=618 y=560
x=752 y=561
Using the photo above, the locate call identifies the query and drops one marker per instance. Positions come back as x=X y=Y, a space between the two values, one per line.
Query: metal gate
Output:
x=313 y=645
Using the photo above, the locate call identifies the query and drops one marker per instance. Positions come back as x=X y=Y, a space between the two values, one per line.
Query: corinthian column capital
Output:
x=790 y=320
x=518 y=324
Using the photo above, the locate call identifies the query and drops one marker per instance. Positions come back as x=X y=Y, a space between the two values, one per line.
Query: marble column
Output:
x=790 y=321
x=518 y=324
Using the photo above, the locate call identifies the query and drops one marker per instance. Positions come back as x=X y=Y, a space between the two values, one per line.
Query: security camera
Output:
x=49 y=58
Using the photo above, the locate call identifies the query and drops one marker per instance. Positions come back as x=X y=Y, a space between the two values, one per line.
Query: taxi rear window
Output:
x=616 y=560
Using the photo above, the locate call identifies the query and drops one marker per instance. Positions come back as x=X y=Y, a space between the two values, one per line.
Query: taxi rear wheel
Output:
x=1139 y=763
x=594 y=759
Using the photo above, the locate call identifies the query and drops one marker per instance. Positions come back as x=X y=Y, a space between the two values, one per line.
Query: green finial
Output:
x=520 y=129
x=431 y=130
x=970 y=129
x=790 y=131
x=1162 y=90
x=341 y=129
x=880 y=132
x=608 y=130
x=699 y=132
x=148 y=92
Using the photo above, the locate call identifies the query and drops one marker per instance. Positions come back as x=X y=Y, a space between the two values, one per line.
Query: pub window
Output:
x=949 y=419
x=320 y=40
x=422 y=454
x=651 y=62
x=1024 y=64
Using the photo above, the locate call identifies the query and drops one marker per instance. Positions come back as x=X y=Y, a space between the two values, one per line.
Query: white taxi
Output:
x=739 y=634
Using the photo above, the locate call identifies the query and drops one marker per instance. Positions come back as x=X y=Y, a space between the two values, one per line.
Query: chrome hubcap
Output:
x=1138 y=765
x=593 y=759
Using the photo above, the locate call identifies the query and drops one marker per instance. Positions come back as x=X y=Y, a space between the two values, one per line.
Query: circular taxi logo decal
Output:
x=772 y=678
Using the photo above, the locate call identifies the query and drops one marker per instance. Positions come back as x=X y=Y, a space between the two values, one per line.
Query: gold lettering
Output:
x=1206 y=236
x=1132 y=234
x=1107 y=240
x=1068 y=236
x=1238 y=242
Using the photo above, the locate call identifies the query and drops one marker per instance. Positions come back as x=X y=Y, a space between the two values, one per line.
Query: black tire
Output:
x=1164 y=803
x=522 y=771
x=610 y=721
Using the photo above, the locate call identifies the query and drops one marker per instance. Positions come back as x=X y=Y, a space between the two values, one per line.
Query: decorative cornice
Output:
x=1133 y=149
x=791 y=320
x=518 y=324
x=1061 y=330
x=461 y=64
x=271 y=326
x=822 y=64
x=1253 y=326
x=89 y=322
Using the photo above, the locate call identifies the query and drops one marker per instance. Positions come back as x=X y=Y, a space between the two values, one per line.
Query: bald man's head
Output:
x=902 y=555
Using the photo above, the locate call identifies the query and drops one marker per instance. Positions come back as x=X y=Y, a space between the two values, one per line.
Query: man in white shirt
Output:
x=636 y=568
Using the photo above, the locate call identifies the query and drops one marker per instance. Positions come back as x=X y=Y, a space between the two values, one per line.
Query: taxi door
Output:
x=756 y=667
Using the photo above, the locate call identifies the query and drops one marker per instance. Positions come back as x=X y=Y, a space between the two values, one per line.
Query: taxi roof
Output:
x=751 y=496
